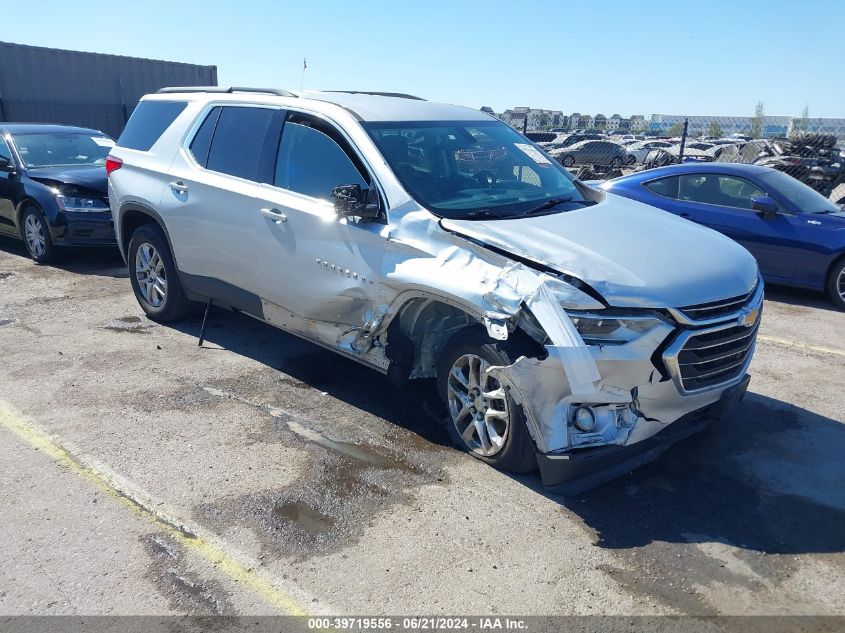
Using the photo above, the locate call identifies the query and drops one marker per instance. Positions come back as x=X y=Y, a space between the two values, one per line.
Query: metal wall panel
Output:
x=89 y=89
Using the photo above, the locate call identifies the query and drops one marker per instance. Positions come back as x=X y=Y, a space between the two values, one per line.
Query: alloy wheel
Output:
x=478 y=406
x=151 y=275
x=34 y=233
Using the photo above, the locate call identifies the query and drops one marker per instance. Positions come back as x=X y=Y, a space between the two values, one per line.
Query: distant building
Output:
x=637 y=123
x=825 y=126
x=534 y=118
x=701 y=125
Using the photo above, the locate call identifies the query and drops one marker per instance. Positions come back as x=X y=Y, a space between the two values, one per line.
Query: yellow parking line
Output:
x=799 y=345
x=212 y=553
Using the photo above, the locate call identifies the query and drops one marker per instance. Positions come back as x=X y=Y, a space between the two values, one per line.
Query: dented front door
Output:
x=319 y=272
x=314 y=268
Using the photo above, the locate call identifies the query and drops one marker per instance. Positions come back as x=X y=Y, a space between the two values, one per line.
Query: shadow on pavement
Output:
x=101 y=261
x=770 y=477
x=800 y=297
x=412 y=407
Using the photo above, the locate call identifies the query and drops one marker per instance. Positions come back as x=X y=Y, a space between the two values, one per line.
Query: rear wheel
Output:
x=482 y=417
x=36 y=236
x=153 y=275
x=616 y=162
x=568 y=161
x=836 y=283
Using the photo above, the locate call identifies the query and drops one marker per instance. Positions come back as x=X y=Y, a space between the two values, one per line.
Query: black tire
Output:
x=174 y=305
x=836 y=283
x=40 y=250
x=517 y=453
x=616 y=162
x=568 y=161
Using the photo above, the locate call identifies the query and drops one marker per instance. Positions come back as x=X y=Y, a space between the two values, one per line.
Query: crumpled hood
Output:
x=631 y=253
x=93 y=178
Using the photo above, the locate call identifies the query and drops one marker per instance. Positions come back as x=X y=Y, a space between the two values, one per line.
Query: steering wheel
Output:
x=485 y=178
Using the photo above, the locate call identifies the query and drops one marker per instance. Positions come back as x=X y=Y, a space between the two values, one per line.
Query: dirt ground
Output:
x=261 y=474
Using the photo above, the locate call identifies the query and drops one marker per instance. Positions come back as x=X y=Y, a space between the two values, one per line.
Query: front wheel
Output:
x=616 y=162
x=568 y=161
x=836 y=283
x=482 y=417
x=36 y=236
x=153 y=275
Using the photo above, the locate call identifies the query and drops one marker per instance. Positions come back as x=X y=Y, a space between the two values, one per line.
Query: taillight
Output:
x=112 y=164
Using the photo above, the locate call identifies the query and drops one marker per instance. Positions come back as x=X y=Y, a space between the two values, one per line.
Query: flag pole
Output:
x=302 y=76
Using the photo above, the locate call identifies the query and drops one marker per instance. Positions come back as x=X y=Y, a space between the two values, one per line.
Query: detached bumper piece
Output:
x=580 y=470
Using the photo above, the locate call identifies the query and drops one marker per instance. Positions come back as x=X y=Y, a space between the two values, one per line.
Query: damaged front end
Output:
x=617 y=388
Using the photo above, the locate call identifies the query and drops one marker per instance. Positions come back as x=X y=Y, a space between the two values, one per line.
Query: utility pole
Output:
x=683 y=141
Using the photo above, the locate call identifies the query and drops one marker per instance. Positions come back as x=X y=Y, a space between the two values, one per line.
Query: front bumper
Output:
x=83 y=229
x=579 y=470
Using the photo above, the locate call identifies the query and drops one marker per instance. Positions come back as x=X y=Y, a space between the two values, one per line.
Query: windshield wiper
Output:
x=553 y=202
x=476 y=214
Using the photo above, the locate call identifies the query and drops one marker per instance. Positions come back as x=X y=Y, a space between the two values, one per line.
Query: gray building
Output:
x=48 y=85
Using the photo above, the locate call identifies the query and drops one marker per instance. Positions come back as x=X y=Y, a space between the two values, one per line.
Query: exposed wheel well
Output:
x=424 y=326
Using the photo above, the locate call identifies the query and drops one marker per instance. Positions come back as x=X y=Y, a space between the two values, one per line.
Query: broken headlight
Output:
x=597 y=329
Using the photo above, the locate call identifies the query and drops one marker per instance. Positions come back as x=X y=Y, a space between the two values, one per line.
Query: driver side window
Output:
x=311 y=162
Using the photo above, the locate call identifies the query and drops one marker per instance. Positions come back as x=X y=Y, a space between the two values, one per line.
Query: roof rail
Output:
x=223 y=89
x=398 y=95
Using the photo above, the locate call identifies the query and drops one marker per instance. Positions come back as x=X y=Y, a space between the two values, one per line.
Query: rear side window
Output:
x=239 y=139
x=148 y=122
x=667 y=187
x=311 y=163
x=201 y=144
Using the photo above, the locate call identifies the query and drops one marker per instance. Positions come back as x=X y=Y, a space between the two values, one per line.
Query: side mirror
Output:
x=352 y=201
x=765 y=206
x=6 y=165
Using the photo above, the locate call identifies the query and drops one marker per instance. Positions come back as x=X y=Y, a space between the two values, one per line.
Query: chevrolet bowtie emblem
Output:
x=749 y=317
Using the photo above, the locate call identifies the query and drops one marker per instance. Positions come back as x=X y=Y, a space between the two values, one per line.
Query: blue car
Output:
x=53 y=187
x=796 y=234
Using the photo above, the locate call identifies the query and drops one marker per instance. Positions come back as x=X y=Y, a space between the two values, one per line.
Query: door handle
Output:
x=274 y=214
x=178 y=185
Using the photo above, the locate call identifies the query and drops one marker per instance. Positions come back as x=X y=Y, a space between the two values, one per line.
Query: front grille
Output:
x=715 y=357
x=713 y=309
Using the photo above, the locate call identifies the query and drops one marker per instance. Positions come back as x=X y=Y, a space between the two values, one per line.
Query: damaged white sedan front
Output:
x=565 y=326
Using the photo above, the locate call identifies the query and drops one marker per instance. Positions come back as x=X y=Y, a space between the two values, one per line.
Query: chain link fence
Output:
x=794 y=146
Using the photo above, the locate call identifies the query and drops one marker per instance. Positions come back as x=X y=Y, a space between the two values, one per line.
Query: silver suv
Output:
x=565 y=326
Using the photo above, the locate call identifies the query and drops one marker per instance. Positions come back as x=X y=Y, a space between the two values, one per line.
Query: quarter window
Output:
x=667 y=187
x=148 y=122
x=239 y=139
x=312 y=163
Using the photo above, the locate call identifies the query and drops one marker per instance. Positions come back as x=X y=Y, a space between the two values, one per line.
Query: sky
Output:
x=715 y=57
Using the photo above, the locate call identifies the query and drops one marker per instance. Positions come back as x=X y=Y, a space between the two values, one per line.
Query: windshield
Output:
x=473 y=169
x=807 y=200
x=62 y=148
